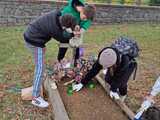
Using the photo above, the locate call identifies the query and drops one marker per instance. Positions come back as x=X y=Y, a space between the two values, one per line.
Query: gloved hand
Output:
x=114 y=95
x=77 y=40
x=77 y=87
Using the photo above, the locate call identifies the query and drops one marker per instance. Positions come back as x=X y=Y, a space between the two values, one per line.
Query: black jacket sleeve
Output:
x=91 y=73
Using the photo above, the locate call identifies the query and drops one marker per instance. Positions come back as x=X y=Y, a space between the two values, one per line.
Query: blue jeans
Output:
x=38 y=57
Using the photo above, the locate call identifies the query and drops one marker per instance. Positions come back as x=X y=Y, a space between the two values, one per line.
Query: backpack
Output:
x=126 y=46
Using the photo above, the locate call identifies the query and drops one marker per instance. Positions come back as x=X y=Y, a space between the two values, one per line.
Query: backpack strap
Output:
x=135 y=69
x=131 y=61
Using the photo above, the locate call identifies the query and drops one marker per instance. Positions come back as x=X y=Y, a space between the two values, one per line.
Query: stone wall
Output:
x=20 y=12
x=121 y=14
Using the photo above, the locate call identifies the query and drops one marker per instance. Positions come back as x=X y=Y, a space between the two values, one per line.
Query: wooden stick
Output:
x=121 y=104
x=67 y=45
x=69 y=82
x=59 y=110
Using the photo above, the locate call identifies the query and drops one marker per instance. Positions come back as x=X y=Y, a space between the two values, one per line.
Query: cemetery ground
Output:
x=16 y=72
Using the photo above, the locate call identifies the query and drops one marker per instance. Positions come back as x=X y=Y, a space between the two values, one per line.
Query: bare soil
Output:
x=90 y=104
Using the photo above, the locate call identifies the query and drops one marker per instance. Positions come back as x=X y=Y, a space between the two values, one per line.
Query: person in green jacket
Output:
x=78 y=9
x=84 y=15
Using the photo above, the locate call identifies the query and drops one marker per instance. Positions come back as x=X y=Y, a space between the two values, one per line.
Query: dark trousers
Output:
x=62 y=52
x=123 y=90
x=118 y=82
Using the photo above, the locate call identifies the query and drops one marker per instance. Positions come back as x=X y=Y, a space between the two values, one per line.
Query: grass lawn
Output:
x=16 y=67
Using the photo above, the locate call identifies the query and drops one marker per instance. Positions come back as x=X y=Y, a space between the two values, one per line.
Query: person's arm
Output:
x=149 y=100
x=91 y=73
x=85 y=24
x=156 y=88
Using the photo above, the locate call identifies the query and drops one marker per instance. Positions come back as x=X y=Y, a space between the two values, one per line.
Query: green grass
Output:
x=13 y=50
x=16 y=62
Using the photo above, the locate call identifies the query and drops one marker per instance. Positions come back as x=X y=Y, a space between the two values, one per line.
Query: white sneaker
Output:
x=114 y=95
x=40 y=102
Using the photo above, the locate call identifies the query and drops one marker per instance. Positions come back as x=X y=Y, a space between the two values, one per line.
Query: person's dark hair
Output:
x=68 y=21
x=89 y=11
x=152 y=113
x=77 y=3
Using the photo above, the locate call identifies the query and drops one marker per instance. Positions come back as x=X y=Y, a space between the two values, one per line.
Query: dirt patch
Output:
x=90 y=104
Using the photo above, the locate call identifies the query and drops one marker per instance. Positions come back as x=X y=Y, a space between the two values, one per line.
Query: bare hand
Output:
x=77 y=31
